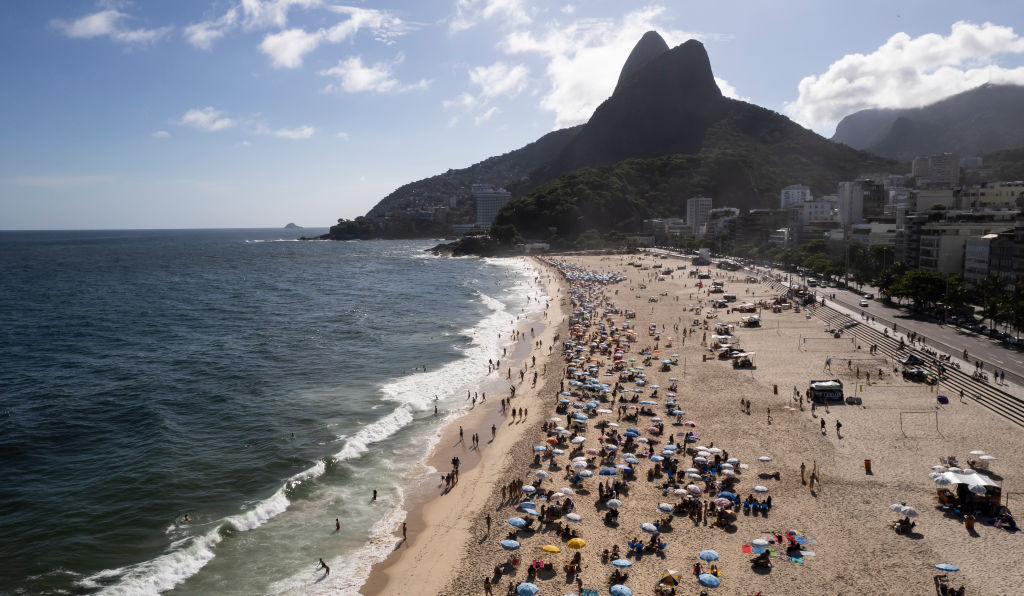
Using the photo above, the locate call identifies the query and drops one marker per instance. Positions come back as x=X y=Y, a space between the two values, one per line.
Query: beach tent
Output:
x=971 y=479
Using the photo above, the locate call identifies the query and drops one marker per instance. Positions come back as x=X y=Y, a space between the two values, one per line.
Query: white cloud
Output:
x=207 y=119
x=486 y=116
x=499 y=79
x=354 y=77
x=465 y=101
x=568 y=9
x=585 y=57
x=108 y=23
x=301 y=132
x=343 y=136
x=469 y=13
x=203 y=34
x=287 y=48
x=161 y=134
x=728 y=90
x=907 y=72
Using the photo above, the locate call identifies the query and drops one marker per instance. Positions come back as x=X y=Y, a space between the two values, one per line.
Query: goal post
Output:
x=906 y=416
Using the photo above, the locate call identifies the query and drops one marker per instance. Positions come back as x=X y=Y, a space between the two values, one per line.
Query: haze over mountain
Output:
x=984 y=119
x=666 y=103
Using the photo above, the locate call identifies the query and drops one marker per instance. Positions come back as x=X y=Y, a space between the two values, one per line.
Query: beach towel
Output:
x=797 y=560
x=748 y=549
x=807 y=553
x=756 y=549
x=801 y=540
x=773 y=553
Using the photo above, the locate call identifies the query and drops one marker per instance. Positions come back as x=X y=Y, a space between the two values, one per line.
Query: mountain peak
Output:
x=650 y=46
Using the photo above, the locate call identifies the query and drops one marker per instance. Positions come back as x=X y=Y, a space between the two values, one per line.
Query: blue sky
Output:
x=256 y=113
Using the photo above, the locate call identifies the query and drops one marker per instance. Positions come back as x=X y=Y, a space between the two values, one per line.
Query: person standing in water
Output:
x=327 y=570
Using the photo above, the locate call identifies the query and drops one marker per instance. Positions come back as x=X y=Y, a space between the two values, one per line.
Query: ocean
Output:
x=260 y=385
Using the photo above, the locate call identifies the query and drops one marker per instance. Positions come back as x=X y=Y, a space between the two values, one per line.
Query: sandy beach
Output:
x=842 y=526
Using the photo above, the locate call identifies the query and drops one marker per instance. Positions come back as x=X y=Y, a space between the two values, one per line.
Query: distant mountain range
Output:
x=668 y=120
x=982 y=120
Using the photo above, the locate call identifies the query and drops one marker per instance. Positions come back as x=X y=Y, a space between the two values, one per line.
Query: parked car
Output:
x=864 y=303
x=910 y=360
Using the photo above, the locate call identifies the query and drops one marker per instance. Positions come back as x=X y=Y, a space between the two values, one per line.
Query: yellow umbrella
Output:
x=550 y=548
x=671 y=577
x=576 y=543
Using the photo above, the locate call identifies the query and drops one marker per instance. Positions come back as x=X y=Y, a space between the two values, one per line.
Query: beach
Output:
x=840 y=529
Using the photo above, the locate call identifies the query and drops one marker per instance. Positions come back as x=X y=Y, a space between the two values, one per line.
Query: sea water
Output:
x=263 y=386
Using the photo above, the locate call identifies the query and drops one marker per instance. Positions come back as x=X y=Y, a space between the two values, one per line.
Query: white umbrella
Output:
x=977 y=489
x=692 y=471
x=934 y=475
x=573 y=517
x=977 y=452
x=648 y=527
x=679 y=492
x=558 y=495
x=566 y=490
x=693 y=488
x=541 y=474
x=529 y=489
x=732 y=460
x=556 y=419
x=943 y=481
x=701 y=448
x=700 y=460
x=578 y=440
x=585 y=473
x=896 y=507
x=579 y=465
x=764 y=459
x=726 y=466
x=613 y=424
x=714 y=450
x=729 y=472
x=987 y=458
x=759 y=542
x=704 y=453
x=760 y=489
x=909 y=512
x=666 y=508
x=693 y=476
x=558 y=451
x=614 y=503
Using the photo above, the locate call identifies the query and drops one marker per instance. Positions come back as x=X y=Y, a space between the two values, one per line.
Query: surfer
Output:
x=327 y=570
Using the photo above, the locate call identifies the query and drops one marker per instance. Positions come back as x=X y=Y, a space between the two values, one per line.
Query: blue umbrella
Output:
x=527 y=589
x=947 y=567
x=622 y=563
x=657 y=458
x=593 y=404
x=623 y=467
x=517 y=522
x=579 y=416
x=648 y=402
x=678 y=413
x=509 y=544
x=708 y=555
x=527 y=505
x=531 y=512
x=631 y=460
x=578 y=406
x=563 y=400
x=727 y=495
x=630 y=433
x=620 y=590
x=706 y=579
x=670 y=447
x=630 y=429
x=540 y=447
x=608 y=472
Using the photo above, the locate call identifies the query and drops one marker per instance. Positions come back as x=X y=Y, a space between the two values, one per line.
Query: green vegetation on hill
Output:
x=748 y=157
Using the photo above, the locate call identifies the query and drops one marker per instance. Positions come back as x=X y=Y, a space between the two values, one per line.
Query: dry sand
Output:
x=856 y=552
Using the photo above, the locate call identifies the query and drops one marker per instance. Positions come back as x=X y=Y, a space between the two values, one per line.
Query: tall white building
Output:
x=851 y=202
x=489 y=201
x=794 y=194
x=697 y=210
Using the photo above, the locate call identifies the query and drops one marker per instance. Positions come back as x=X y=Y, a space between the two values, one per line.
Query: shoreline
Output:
x=430 y=517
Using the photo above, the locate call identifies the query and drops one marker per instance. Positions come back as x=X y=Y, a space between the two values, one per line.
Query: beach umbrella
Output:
x=939 y=468
x=987 y=458
x=649 y=528
x=673 y=379
x=585 y=473
x=701 y=448
x=558 y=451
x=592 y=451
x=764 y=459
x=540 y=474
x=579 y=465
x=693 y=476
x=727 y=495
x=691 y=471
x=666 y=507
x=955 y=470
x=708 y=555
x=690 y=423
x=531 y=512
x=722 y=502
x=574 y=517
x=947 y=567
x=656 y=419
x=578 y=440
x=693 y=488
x=540 y=448
x=527 y=505
x=527 y=589
x=576 y=543
x=557 y=495
x=700 y=460
x=732 y=460
x=528 y=489
x=620 y=590
x=896 y=507
x=909 y=512
x=509 y=544
x=631 y=460
x=726 y=466
x=610 y=448
x=934 y=475
x=566 y=490
x=706 y=579
x=977 y=489
x=623 y=467
x=678 y=412
x=704 y=453
x=671 y=577
x=614 y=503
x=977 y=452
x=608 y=472
x=670 y=447
x=728 y=472
x=759 y=542
x=622 y=563
x=603 y=411
x=552 y=440
x=642 y=440
x=517 y=522
x=679 y=492
x=632 y=433
x=943 y=481
x=550 y=548
x=657 y=458
x=714 y=450
x=760 y=489
x=648 y=402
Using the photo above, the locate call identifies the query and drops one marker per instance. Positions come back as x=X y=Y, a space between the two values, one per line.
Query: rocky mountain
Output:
x=650 y=46
x=982 y=120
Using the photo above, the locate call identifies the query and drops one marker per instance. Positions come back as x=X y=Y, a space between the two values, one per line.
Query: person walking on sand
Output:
x=823 y=425
x=839 y=426
x=403 y=530
x=828 y=364
x=487 y=519
x=803 y=467
x=322 y=565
